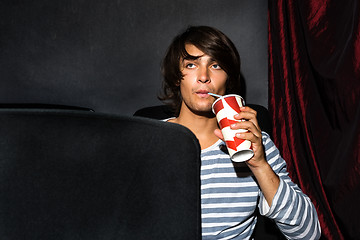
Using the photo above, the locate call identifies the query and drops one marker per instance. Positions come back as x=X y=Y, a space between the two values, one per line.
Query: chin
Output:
x=204 y=110
x=208 y=114
x=204 y=107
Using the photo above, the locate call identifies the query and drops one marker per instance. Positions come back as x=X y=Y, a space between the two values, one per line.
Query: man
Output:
x=202 y=60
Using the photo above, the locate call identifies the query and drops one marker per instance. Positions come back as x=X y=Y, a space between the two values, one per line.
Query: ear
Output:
x=178 y=83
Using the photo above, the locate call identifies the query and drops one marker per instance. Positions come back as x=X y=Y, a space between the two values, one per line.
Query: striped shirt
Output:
x=230 y=195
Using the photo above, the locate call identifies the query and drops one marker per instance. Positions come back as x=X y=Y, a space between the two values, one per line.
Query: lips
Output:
x=203 y=93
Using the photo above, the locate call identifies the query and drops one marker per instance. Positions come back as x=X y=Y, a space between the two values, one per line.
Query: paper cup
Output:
x=225 y=108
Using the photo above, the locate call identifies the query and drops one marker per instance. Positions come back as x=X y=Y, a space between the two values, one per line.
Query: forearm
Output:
x=267 y=179
x=293 y=212
x=291 y=209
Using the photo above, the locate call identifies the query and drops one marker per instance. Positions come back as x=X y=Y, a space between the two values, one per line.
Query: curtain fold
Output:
x=314 y=100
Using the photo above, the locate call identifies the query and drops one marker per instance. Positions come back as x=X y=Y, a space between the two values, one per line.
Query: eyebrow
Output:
x=191 y=57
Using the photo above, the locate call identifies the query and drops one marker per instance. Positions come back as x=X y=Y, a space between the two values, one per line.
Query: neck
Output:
x=201 y=124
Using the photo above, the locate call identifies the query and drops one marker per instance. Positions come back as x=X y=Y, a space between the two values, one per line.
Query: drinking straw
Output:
x=214 y=95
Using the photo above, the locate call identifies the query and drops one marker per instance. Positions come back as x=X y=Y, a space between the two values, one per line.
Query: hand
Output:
x=254 y=135
x=267 y=179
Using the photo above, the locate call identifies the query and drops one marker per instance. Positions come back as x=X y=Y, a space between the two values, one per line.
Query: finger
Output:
x=247 y=125
x=219 y=134
x=248 y=109
x=251 y=137
x=250 y=116
x=246 y=115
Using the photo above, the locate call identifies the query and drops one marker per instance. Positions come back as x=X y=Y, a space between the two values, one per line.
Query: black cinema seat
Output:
x=80 y=175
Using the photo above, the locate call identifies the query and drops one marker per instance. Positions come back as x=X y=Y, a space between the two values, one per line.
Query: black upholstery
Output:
x=81 y=175
x=41 y=107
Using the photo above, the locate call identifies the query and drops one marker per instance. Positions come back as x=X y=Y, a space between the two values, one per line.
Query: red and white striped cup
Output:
x=225 y=108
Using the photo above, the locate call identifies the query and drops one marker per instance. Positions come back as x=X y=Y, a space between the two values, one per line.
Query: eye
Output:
x=190 y=65
x=216 y=66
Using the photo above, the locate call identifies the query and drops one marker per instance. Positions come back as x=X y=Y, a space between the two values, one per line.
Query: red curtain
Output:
x=314 y=100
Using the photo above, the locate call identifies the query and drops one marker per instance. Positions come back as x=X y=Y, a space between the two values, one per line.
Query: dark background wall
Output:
x=106 y=55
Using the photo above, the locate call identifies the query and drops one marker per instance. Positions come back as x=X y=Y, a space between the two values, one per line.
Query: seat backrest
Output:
x=41 y=107
x=81 y=175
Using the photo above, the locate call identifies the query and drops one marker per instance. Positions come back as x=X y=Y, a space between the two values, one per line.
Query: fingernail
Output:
x=239 y=135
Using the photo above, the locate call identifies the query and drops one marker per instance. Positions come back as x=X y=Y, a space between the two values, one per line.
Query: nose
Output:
x=204 y=76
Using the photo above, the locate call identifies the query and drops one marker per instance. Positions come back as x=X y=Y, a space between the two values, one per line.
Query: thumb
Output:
x=219 y=134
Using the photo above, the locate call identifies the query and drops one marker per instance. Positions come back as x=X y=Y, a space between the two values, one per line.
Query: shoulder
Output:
x=272 y=153
x=269 y=145
x=168 y=119
x=266 y=138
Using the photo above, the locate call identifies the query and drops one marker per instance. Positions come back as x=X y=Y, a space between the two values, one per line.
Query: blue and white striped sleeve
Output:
x=291 y=209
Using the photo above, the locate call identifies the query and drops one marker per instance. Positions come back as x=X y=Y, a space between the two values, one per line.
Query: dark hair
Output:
x=210 y=41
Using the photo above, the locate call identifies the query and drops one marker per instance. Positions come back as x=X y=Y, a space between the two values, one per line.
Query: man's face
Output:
x=201 y=75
